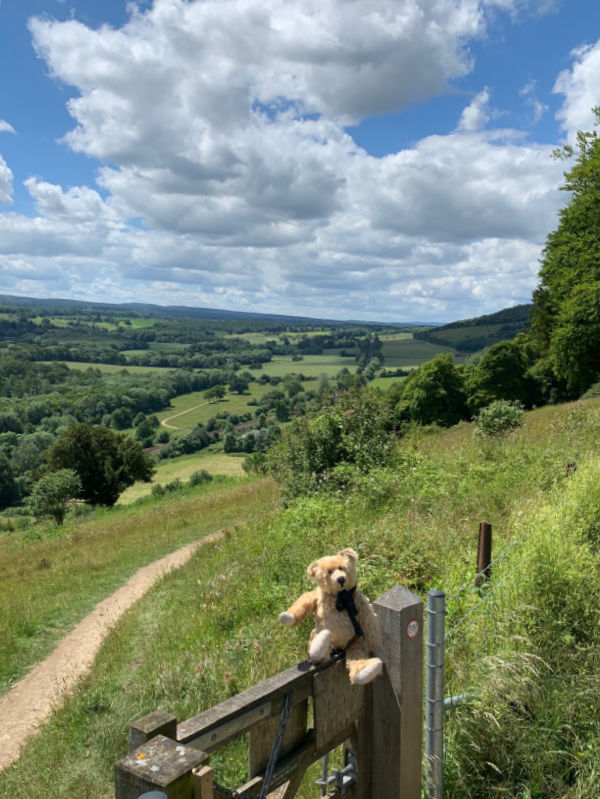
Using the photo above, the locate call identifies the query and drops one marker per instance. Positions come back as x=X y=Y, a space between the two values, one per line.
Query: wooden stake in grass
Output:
x=484 y=554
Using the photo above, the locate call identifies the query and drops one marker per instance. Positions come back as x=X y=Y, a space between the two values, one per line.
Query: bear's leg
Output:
x=361 y=668
x=320 y=647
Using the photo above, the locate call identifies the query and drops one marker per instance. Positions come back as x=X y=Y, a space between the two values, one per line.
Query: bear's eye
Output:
x=331 y=571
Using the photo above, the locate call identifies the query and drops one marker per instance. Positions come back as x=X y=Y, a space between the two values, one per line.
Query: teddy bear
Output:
x=344 y=619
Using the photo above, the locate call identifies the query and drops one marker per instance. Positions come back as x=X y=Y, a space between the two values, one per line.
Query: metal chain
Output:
x=285 y=714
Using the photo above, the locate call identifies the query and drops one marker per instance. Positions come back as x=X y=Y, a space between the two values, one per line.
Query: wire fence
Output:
x=472 y=603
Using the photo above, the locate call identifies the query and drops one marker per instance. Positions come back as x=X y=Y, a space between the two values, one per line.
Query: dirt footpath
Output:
x=31 y=701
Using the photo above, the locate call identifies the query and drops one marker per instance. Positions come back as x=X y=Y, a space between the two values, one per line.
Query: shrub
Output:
x=356 y=431
x=199 y=477
x=499 y=419
x=51 y=494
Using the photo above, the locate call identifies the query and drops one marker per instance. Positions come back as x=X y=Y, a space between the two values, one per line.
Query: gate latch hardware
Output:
x=341 y=779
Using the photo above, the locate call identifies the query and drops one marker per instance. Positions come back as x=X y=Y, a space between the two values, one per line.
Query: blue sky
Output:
x=381 y=159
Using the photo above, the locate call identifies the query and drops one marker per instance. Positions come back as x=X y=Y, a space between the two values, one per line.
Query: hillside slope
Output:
x=211 y=629
x=470 y=335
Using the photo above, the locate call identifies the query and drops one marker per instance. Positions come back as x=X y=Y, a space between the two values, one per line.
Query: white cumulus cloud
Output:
x=581 y=87
x=477 y=114
x=6 y=182
x=227 y=176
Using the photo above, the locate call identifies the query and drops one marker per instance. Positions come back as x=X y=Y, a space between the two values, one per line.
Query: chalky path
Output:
x=32 y=700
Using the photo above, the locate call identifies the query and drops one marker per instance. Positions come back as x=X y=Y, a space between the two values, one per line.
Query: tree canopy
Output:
x=434 y=393
x=500 y=374
x=566 y=311
x=106 y=462
x=51 y=494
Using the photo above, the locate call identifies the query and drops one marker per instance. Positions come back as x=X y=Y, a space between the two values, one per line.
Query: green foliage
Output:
x=413 y=523
x=500 y=374
x=498 y=419
x=215 y=393
x=200 y=477
x=433 y=394
x=470 y=335
x=575 y=340
x=356 y=431
x=565 y=318
x=532 y=729
x=106 y=462
x=51 y=494
x=9 y=492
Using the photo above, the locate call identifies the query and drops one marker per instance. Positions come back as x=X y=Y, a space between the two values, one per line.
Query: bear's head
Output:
x=334 y=573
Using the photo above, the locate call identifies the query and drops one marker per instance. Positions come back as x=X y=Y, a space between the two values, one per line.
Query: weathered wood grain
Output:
x=262 y=736
x=398 y=698
x=273 y=690
x=157 y=723
x=160 y=764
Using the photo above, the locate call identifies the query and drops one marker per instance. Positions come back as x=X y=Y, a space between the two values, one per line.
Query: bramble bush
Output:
x=498 y=419
x=356 y=432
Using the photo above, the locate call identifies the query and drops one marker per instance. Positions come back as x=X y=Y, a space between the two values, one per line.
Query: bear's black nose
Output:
x=341 y=580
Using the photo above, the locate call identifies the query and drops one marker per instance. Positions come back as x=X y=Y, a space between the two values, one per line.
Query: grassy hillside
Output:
x=529 y=648
x=182 y=468
x=405 y=352
x=470 y=335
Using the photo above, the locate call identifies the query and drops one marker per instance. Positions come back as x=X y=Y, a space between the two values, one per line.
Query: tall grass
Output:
x=211 y=629
x=53 y=576
x=533 y=729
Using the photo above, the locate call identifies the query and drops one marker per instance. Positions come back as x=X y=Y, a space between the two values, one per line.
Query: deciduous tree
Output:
x=565 y=322
x=51 y=494
x=106 y=462
x=434 y=393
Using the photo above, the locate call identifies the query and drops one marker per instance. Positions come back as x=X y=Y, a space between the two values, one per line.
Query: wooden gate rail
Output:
x=382 y=721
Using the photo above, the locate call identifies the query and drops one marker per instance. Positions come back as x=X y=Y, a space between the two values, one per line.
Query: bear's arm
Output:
x=303 y=607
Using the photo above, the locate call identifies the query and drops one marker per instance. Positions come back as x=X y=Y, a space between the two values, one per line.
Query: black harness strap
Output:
x=345 y=602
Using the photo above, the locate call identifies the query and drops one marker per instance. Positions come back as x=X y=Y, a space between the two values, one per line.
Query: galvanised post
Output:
x=434 y=694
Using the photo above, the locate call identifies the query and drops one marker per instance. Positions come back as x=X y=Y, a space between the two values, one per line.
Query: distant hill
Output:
x=62 y=306
x=470 y=335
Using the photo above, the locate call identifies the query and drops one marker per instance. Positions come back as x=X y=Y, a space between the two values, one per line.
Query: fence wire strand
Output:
x=490 y=593
x=459 y=592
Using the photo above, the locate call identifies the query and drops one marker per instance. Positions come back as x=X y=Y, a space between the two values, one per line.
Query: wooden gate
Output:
x=382 y=723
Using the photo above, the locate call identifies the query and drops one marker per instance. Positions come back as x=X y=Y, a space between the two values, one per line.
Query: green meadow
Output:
x=310 y=365
x=193 y=408
x=528 y=650
x=182 y=468
x=406 y=352
x=111 y=368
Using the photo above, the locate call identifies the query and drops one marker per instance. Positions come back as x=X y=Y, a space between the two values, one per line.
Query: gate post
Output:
x=397 y=730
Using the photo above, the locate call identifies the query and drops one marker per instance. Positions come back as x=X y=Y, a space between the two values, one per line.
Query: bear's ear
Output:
x=315 y=571
x=349 y=553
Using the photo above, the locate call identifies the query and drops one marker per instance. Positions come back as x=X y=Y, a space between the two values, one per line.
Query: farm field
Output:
x=196 y=409
x=159 y=346
x=384 y=383
x=259 y=339
x=111 y=368
x=310 y=366
x=403 y=336
x=463 y=335
x=408 y=352
x=183 y=468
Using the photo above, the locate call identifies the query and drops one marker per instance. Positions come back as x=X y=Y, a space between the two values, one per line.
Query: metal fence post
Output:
x=434 y=694
x=484 y=554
